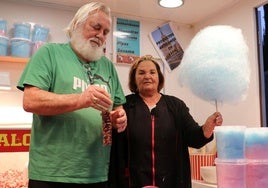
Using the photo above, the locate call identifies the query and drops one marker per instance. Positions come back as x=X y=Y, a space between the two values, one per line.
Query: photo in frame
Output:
x=167 y=46
x=126 y=40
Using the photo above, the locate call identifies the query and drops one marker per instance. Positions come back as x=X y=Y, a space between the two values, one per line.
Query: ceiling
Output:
x=192 y=11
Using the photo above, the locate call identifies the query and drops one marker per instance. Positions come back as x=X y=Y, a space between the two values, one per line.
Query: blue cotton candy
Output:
x=215 y=66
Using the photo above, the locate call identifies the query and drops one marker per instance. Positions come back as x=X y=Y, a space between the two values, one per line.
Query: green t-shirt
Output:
x=68 y=147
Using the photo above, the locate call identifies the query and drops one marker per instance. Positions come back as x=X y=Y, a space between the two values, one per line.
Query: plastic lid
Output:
x=257 y=161
x=4 y=37
x=22 y=23
x=39 y=25
x=229 y=127
x=238 y=161
x=18 y=39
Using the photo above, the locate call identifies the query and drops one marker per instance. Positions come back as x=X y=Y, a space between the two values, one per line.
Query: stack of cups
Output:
x=230 y=161
x=256 y=151
x=3 y=27
x=39 y=36
x=4 y=40
x=21 y=43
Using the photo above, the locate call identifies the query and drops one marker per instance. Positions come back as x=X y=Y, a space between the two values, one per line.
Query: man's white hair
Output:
x=83 y=13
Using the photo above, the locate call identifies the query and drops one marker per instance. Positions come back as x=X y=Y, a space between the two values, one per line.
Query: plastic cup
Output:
x=20 y=47
x=256 y=143
x=257 y=176
x=37 y=45
x=40 y=33
x=230 y=142
x=22 y=30
x=3 y=27
x=3 y=45
x=231 y=173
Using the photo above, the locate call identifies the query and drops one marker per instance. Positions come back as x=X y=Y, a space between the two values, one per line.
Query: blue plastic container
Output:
x=3 y=27
x=36 y=45
x=22 y=30
x=230 y=142
x=40 y=33
x=3 y=45
x=256 y=143
x=21 y=47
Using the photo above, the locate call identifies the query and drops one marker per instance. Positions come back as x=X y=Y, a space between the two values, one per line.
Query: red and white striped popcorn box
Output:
x=198 y=160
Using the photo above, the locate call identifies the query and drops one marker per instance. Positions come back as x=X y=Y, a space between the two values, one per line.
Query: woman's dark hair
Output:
x=131 y=77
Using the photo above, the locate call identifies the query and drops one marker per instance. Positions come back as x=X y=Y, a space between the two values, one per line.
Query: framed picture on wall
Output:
x=126 y=37
x=167 y=45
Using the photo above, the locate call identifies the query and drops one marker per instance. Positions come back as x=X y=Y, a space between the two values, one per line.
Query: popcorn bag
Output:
x=14 y=155
x=198 y=160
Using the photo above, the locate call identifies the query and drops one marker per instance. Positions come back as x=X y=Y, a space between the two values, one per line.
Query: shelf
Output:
x=11 y=59
x=11 y=69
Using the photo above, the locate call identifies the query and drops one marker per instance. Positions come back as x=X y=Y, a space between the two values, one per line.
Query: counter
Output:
x=202 y=184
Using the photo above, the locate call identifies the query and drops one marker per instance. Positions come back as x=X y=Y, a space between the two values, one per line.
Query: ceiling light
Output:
x=170 y=3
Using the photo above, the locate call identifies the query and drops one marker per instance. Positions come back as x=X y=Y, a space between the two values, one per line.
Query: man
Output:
x=73 y=92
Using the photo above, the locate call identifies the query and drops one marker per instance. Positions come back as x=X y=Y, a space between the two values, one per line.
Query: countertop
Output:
x=202 y=184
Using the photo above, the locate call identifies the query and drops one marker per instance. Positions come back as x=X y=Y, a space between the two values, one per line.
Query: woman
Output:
x=154 y=146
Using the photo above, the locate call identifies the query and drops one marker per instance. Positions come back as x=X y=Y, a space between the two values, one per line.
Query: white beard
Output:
x=84 y=47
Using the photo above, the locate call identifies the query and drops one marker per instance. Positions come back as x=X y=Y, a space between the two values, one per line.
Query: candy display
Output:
x=242 y=157
x=13 y=179
x=230 y=142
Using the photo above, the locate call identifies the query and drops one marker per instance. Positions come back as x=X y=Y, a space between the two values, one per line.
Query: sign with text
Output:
x=127 y=40
x=15 y=140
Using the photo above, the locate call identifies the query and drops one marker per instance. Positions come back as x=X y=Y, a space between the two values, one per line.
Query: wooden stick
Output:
x=216 y=103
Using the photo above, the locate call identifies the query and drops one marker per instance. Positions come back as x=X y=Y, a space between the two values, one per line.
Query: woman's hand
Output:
x=212 y=121
x=119 y=119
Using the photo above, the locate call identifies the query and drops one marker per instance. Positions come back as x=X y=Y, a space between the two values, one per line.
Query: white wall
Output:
x=57 y=19
x=242 y=16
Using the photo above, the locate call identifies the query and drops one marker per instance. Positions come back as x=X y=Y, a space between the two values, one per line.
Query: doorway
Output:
x=262 y=24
